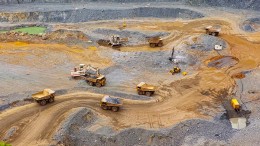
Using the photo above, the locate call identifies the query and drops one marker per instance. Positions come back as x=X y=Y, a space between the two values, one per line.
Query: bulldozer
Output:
x=155 y=42
x=212 y=31
x=110 y=103
x=175 y=70
x=145 y=89
x=93 y=77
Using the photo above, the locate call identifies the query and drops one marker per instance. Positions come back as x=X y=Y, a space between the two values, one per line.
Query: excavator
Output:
x=90 y=74
x=172 y=58
x=175 y=69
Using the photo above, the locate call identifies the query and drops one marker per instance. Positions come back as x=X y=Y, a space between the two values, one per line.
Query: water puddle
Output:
x=239 y=75
x=222 y=61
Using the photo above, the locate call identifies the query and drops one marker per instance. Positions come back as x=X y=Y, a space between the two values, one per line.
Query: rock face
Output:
x=84 y=15
x=240 y=4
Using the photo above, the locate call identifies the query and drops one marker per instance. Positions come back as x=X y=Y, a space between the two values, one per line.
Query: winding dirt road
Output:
x=36 y=124
x=180 y=100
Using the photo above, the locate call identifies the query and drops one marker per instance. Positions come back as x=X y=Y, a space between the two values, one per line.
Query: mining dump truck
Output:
x=110 y=103
x=212 y=30
x=155 y=42
x=93 y=77
x=44 y=97
x=145 y=89
x=96 y=80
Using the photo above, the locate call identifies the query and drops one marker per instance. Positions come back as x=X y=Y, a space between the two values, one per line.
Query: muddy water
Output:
x=223 y=61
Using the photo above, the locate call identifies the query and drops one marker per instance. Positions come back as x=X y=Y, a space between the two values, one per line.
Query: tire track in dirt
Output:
x=37 y=124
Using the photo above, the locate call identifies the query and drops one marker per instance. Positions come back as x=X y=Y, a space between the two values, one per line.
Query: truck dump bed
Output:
x=42 y=94
x=111 y=101
x=154 y=39
x=145 y=86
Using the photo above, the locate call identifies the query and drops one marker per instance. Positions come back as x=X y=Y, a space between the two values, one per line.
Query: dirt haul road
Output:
x=36 y=124
x=177 y=101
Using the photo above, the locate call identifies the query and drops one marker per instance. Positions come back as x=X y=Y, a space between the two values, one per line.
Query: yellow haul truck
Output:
x=44 y=97
x=145 y=89
x=110 y=103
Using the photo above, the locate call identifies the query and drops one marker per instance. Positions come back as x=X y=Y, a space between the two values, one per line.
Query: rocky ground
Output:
x=186 y=110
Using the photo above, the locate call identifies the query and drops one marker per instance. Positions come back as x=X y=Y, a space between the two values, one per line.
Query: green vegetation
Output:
x=4 y=144
x=3 y=31
x=29 y=30
x=32 y=30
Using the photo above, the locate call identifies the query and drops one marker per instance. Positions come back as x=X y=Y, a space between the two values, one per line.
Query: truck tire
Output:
x=148 y=93
x=98 y=84
x=91 y=83
x=140 y=93
x=43 y=102
x=152 y=45
x=104 y=107
x=115 y=108
x=51 y=99
x=160 y=45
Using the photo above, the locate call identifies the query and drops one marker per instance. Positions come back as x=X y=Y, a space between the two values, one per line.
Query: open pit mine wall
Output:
x=241 y=4
x=85 y=15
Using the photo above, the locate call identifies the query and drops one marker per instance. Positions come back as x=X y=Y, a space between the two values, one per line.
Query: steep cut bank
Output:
x=240 y=4
x=70 y=15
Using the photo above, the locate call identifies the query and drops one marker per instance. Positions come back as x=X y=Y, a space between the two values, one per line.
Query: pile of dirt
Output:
x=58 y=36
x=62 y=35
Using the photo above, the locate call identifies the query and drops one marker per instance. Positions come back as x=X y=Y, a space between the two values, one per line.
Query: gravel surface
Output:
x=134 y=37
x=71 y=14
x=207 y=43
x=75 y=131
x=251 y=25
x=252 y=4
x=248 y=91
